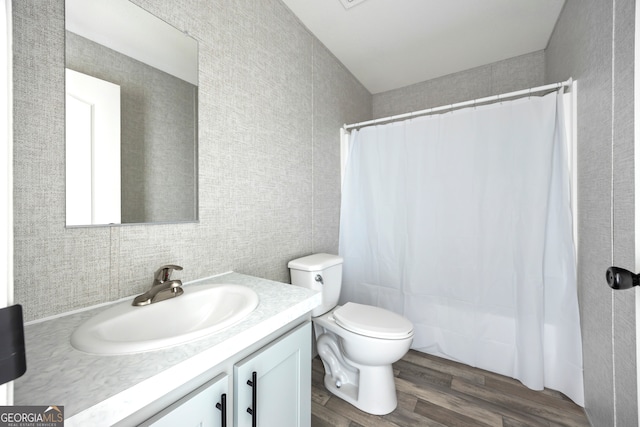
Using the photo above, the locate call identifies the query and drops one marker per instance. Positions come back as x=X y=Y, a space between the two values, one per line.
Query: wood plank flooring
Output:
x=438 y=392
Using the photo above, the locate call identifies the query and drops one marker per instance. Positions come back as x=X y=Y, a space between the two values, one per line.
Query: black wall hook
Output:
x=619 y=278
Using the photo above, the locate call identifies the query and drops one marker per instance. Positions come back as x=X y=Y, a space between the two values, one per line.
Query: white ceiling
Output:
x=388 y=44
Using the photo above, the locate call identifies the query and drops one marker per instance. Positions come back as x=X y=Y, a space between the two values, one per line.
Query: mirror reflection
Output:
x=131 y=116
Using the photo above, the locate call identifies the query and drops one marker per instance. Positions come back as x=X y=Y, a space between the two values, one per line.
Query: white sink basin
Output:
x=202 y=310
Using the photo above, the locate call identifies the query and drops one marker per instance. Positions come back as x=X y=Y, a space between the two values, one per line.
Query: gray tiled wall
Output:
x=271 y=102
x=512 y=74
x=582 y=47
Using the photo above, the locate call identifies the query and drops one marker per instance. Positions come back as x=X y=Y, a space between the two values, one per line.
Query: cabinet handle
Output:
x=222 y=406
x=253 y=382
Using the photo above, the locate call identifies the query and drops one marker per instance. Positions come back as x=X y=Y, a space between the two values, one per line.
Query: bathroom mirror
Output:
x=131 y=116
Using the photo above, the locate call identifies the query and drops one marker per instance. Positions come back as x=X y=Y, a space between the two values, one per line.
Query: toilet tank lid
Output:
x=315 y=262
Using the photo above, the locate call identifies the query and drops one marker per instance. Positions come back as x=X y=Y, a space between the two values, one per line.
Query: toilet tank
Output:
x=320 y=272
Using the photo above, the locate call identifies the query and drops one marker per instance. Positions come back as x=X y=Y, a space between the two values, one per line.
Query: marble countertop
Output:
x=110 y=388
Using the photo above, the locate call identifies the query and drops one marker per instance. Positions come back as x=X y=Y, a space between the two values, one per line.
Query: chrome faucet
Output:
x=163 y=287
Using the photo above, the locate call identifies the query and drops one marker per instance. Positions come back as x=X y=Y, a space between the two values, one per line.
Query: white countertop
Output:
x=110 y=388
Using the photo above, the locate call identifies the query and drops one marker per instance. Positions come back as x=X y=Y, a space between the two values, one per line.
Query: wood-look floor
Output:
x=438 y=392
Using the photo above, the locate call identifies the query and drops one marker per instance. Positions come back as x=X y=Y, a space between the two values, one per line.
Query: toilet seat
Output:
x=372 y=321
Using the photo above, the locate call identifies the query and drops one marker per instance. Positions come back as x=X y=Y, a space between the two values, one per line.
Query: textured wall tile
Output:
x=55 y=270
x=581 y=48
x=258 y=140
x=338 y=99
x=518 y=73
x=624 y=212
x=509 y=75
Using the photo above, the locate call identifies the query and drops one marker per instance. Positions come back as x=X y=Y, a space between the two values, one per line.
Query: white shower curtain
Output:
x=461 y=222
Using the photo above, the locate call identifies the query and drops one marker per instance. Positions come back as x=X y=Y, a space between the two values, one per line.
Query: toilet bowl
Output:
x=357 y=366
x=357 y=343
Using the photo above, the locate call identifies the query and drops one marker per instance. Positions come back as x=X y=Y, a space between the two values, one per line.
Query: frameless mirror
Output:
x=131 y=116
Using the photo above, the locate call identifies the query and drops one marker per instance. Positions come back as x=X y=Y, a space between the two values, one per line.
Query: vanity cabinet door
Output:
x=203 y=407
x=272 y=387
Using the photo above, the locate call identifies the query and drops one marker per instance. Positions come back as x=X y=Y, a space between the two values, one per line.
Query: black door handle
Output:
x=253 y=382
x=222 y=406
x=619 y=278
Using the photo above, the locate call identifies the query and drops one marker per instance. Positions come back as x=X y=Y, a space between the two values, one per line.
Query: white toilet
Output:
x=357 y=343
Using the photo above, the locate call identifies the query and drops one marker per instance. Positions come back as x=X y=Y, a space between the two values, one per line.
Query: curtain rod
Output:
x=473 y=102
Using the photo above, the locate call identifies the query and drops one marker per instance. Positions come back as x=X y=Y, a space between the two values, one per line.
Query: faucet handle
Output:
x=164 y=273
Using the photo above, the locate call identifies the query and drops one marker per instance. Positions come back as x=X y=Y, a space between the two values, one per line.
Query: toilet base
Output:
x=375 y=393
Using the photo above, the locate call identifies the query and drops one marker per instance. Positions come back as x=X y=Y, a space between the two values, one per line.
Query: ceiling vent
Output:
x=348 y=4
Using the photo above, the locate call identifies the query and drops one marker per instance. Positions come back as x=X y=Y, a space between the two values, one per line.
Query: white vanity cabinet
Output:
x=204 y=407
x=272 y=387
x=272 y=381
